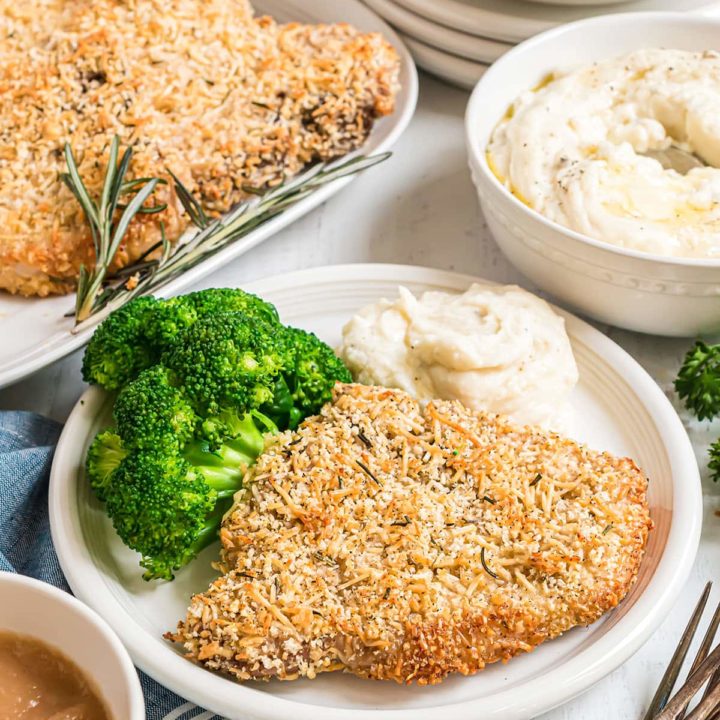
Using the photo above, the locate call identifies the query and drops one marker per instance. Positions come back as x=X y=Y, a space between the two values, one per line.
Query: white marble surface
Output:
x=420 y=208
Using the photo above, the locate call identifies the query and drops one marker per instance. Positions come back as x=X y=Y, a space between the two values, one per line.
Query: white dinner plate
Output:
x=516 y=20
x=34 y=331
x=456 y=70
x=618 y=407
x=446 y=39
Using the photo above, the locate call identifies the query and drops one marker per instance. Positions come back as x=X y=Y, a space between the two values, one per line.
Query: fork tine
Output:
x=691 y=687
x=673 y=670
x=708 y=706
x=714 y=681
x=702 y=653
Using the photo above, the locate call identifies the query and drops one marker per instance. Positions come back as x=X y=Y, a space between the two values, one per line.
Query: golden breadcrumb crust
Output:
x=403 y=543
x=201 y=87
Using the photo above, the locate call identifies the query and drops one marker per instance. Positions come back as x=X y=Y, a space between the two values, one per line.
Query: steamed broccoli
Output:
x=159 y=504
x=151 y=413
x=167 y=505
x=317 y=369
x=119 y=349
x=172 y=317
x=228 y=359
x=217 y=301
x=164 y=488
x=218 y=372
x=136 y=335
x=103 y=459
x=307 y=379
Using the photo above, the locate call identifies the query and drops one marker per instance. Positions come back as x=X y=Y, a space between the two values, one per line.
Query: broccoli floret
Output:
x=227 y=361
x=134 y=337
x=168 y=474
x=226 y=465
x=103 y=458
x=317 y=369
x=307 y=379
x=152 y=413
x=169 y=321
x=218 y=301
x=159 y=505
x=167 y=502
x=698 y=382
x=172 y=317
x=120 y=348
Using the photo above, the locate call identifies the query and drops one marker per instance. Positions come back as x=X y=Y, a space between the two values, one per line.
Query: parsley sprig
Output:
x=698 y=385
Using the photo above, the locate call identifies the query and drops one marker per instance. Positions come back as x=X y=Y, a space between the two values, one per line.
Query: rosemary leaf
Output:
x=485 y=565
x=93 y=291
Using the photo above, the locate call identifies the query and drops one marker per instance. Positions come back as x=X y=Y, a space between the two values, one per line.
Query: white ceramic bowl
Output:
x=31 y=607
x=631 y=289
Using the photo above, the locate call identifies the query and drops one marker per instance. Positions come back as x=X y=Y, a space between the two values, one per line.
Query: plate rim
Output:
x=450 y=40
x=539 y=694
x=460 y=71
x=477 y=20
x=19 y=367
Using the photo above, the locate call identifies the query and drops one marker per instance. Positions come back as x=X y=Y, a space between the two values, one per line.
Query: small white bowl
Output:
x=30 y=607
x=627 y=288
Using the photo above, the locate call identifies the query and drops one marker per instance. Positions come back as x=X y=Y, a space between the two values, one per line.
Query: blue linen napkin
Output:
x=27 y=444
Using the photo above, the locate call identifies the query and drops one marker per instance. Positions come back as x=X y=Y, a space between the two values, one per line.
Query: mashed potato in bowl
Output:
x=579 y=150
x=495 y=348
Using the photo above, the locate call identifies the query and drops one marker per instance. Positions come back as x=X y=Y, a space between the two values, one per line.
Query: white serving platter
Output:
x=464 y=45
x=454 y=69
x=34 y=331
x=618 y=407
x=516 y=20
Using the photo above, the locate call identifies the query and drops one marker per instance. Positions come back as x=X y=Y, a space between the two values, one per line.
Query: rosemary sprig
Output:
x=208 y=236
x=107 y=232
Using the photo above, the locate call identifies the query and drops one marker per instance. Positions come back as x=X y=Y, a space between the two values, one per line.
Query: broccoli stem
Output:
x=224 y=468
x=282 y=408
x=210 y=531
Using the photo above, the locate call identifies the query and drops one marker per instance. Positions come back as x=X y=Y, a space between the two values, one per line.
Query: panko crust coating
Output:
x=406 y=543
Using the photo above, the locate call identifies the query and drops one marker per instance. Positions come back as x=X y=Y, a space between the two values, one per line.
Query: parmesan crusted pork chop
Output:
x=201 y=87
x=403 y=543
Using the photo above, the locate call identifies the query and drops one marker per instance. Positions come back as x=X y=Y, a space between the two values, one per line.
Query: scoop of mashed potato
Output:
x=494 y=348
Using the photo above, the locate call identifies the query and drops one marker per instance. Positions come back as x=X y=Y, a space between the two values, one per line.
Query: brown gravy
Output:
x=39 y=683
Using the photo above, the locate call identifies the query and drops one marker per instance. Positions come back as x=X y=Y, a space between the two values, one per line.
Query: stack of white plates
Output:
x=458 y=39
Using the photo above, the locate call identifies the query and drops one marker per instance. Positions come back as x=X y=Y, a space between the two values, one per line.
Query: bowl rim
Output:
x=54 y=595
x=476 y=105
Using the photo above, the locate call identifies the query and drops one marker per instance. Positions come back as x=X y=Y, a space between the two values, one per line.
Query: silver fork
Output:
x=704 y=669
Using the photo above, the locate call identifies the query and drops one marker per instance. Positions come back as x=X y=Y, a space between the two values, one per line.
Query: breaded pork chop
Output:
x=403 y=543
x=201 y=87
